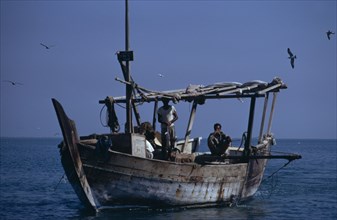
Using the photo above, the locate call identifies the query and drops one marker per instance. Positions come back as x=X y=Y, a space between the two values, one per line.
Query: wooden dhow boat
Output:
x=113 y=169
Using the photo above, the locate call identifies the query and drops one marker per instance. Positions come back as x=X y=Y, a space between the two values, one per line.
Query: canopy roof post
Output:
x=190 y=124
x=154 y=119
x=250 y=126
x=263 y=116
x=271 y=113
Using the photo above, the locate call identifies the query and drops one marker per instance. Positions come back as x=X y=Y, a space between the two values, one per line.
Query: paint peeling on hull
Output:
x=160 y=183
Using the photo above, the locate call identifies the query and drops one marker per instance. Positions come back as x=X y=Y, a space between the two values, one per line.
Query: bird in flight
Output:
x=47 y=47
x=160 y=75
x=12 y=82
x=328 y=33
x=292 y=58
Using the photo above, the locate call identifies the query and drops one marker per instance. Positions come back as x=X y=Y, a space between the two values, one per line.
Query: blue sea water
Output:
x=32 y=187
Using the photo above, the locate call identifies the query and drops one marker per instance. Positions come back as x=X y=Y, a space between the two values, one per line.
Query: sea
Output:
x=33 y=186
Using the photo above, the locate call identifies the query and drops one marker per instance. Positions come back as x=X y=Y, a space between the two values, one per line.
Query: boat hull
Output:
x=121 y=179
x=102 y=177
x=128 y=180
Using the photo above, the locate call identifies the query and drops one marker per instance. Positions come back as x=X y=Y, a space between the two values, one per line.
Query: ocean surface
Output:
x=33 y=186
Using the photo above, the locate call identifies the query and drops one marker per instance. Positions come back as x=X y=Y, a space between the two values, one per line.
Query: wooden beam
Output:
x=190 y=125
x=271 y=113
x=263 y=117
x=250 y=127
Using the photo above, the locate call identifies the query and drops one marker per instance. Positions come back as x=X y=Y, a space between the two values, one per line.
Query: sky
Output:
x=188 y=42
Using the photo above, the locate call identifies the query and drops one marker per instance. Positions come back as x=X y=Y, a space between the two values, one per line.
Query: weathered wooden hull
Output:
x=120 y=179
x=124 y=179
x=110 y=178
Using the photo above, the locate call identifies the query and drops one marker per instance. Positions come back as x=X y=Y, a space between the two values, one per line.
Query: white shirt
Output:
x=167 y=114
x=149 y=148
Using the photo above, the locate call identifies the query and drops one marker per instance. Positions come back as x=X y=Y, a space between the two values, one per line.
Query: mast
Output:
x=124 y=58
x=128 y=126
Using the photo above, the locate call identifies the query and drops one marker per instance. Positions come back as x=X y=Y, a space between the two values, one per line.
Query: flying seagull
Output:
x=47 y=47
x=160 y=75
x=292 y=58
x=329 y=33
x=12 y=82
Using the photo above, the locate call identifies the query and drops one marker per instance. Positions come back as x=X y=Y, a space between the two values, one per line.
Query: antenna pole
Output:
x=126 y=25
x=128 y=127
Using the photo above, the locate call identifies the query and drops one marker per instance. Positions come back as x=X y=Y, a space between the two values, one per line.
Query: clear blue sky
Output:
x=189 y=42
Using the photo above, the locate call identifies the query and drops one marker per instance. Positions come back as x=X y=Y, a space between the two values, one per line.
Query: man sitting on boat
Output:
x=147 y=130
x=167 y=115
x=218 y=142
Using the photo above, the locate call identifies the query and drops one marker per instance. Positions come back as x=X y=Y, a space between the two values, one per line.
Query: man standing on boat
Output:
x=167 y=115
x=218 y=142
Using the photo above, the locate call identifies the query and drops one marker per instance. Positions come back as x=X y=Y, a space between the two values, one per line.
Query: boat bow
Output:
x=71 y=160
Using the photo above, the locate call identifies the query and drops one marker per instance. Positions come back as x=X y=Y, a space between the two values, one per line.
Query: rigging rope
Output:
x=277 y=170
x=243 y=139
x=273 y=184
x=62 y=177
x=65 y=178
x=100 y=117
